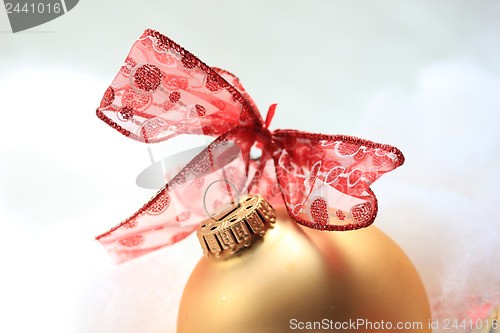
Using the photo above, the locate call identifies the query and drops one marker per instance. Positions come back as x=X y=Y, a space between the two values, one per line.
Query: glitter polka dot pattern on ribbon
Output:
x=135 y=100
x=189 y=61
x=347 y=148
x=125 y=113
x=319 y=211
x=159 y=205
x=362 y=213
x=132 y=241
x=147 y=78
x=174 y=97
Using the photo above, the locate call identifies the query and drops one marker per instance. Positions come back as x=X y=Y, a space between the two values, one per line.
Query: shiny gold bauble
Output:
x=296 y=279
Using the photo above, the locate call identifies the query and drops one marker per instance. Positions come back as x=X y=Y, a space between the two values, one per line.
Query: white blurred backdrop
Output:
x=421 y=75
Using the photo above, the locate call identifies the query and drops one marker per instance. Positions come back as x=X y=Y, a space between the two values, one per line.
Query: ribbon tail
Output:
x=177 y=209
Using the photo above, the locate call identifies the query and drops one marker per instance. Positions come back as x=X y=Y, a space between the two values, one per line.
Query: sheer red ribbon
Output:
x=162 y=91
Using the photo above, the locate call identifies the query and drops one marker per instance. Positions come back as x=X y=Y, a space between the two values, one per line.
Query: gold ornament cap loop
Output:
x=237 y=227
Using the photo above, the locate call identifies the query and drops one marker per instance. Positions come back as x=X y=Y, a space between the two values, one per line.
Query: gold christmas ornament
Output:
x=258 y=276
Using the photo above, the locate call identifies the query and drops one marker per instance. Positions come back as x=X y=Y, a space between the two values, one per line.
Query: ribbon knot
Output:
x=163 y=90
x=270 y=115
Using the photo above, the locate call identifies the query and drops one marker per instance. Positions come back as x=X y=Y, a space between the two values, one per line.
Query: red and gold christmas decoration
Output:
x=163 y=90
x=266 y=270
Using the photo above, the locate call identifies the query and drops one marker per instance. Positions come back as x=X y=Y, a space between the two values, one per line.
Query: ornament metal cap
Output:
x=236 y=228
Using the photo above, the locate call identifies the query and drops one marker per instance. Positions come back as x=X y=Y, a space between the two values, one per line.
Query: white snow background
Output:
x=421 y=75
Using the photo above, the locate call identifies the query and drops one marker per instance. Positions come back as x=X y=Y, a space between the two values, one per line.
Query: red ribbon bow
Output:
x=163 y=90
